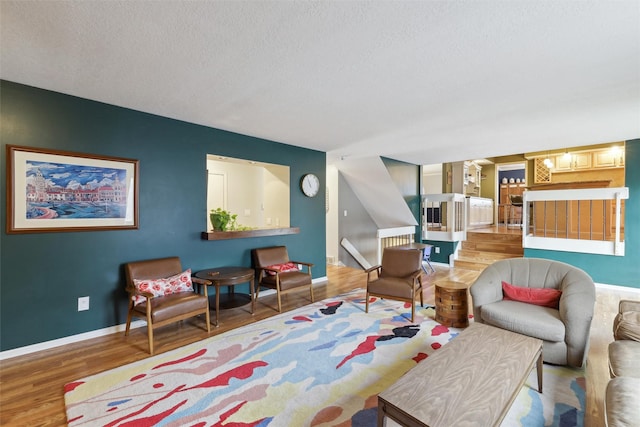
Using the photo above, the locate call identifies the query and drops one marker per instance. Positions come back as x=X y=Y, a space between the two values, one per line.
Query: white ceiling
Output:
x=419 y=81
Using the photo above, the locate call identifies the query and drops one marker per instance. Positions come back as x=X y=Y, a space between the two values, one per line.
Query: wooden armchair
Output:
x=161 y=292
x=399 y=277
x=275 y=270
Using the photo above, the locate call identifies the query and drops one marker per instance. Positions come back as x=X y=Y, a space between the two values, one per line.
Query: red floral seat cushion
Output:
x=166 y=286
x=282 y=268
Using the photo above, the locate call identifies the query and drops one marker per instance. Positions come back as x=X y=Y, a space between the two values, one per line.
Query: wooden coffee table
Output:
x=471 y=381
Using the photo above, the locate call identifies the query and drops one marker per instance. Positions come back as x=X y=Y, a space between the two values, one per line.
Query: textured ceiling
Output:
x=418 y=81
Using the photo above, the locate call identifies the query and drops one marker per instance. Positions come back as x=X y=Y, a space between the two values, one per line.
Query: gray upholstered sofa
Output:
x=622 y=401
x=564 y=330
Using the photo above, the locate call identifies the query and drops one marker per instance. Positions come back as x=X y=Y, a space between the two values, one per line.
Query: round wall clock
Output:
x=310 y=185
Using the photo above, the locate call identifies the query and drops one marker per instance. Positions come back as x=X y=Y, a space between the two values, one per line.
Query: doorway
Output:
x=511 y=181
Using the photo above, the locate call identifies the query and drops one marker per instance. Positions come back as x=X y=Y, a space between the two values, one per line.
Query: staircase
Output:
x=482 y=249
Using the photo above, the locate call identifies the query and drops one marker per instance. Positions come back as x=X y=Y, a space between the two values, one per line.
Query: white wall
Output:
x=276 y=200
x=257 y=193
x=333 y=250
x=432 y=179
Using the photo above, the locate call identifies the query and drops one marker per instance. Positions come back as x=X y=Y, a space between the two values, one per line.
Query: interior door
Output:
x=216 y=192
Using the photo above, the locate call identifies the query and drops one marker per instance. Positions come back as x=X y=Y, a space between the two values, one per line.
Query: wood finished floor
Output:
x=31 y=386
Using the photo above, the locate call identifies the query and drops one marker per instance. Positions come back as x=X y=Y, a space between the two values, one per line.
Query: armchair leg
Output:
x=279 y=302
x=126 y=331
x=208 y=320
x=311 y=288
x=150 y=332
x=366 y=303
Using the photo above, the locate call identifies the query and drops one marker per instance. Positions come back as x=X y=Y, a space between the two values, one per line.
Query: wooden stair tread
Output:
x=483 y=249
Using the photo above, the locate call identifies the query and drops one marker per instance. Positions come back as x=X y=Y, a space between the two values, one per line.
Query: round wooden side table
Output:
x=452 y=304
x=229 y=276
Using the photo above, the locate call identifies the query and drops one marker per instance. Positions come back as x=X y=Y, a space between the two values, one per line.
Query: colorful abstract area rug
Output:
x=320 y=365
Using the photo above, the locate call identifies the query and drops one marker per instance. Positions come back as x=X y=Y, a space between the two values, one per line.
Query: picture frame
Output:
x=63 y=191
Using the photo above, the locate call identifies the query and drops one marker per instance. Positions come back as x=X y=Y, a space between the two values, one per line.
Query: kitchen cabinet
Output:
x=572 y=162
x=588 y=160
x=480 y=212
x=472 y=173
x=608 y=159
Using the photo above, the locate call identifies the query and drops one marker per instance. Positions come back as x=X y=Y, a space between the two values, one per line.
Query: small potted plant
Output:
x=220 y=219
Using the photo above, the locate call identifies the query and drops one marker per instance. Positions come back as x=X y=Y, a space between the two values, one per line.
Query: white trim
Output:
x=395 y=231
x=598 y=247
x=317 y=280
x=618 y=288
x=21 y=351
x=608 y=193
x=47 y=345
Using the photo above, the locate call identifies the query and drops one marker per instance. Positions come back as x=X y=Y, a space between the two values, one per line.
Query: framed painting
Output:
x=57 y=191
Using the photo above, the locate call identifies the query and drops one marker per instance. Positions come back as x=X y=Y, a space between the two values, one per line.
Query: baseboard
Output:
x=440 y=264
x=618 y=288
x=22 y=351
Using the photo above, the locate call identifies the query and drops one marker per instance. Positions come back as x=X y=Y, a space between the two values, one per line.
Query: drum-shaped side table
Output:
x=452 y=304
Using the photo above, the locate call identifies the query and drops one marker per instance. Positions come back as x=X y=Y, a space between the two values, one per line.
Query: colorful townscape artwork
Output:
x=72 y=191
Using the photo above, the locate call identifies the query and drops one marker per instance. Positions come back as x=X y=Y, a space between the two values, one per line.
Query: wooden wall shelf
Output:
x=226 y=235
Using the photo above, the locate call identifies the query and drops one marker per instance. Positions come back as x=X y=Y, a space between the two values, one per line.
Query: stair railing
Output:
x=444 y=217
x=589 y=220
x=394 y=236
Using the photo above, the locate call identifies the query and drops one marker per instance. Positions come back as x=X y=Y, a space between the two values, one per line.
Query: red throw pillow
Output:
x=282 y=268
x=545 y=297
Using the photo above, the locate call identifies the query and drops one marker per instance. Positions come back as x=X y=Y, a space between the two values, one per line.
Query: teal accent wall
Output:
x=613 y=270
x=43 y=274
x=446 y=250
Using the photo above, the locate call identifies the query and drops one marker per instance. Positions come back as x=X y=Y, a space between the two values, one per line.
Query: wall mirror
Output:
x=257 y=192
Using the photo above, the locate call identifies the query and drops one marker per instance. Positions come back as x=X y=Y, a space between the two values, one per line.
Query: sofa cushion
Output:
x=622 y=402
x=165 y=286
x=624 y=359
x=545 y=297
x=527 y=319
x=626 y=326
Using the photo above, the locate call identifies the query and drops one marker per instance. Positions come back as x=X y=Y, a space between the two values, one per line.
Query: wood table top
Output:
x=471 y=381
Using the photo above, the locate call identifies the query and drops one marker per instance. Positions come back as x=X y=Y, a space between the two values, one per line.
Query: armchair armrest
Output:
x=628 y=305
x=577 y=305
x=273 y=270
x=308 y=264
x=416 y=275
x=202 y=282
x=486 y=289
x=370 y=270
